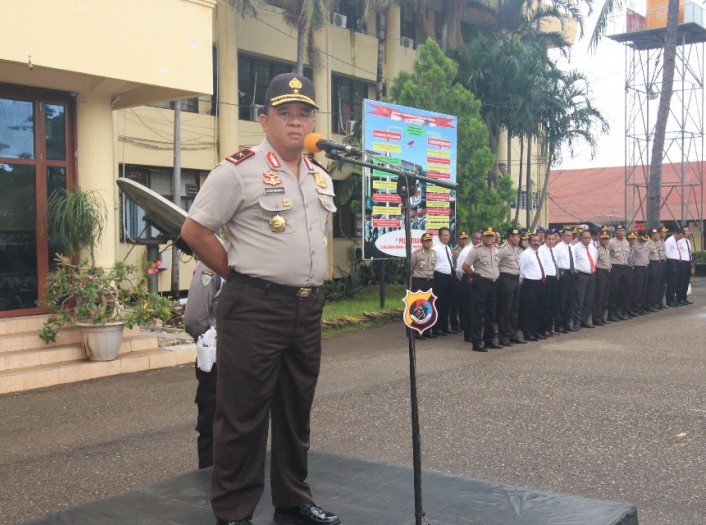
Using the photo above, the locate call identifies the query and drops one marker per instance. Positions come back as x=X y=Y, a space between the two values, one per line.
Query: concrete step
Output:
x=50 y=374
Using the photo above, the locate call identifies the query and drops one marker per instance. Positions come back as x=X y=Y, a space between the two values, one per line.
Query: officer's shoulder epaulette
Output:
x=240 y=156
x=314 y=161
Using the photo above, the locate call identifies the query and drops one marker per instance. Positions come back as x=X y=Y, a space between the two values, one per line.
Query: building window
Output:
x=159 y=180
x=254 y=74
x=188 y=105
x=523 y=199
x=347 y=103
x=348 y=15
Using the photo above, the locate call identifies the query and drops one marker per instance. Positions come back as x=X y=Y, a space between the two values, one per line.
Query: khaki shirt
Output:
x=619 y=251
x=652 y=250
x=640 y=254
x=484 y=262
x=603 y=261
x=276 y=224
x=509 y=259
x=661 y=250
x=423 y=263
x=454 y=253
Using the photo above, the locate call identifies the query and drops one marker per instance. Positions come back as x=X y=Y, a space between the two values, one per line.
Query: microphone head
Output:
x=310 y=142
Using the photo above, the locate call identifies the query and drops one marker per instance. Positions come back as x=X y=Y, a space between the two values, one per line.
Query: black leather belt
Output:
x=510 y=276
x=270 y=287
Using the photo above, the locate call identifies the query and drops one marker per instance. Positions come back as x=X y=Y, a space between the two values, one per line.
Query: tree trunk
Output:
x=379 y=75
x=654 y=186
x=453 y=9
x=542 y=199
x=519 y=180
x=528 y=198
x=301 y=41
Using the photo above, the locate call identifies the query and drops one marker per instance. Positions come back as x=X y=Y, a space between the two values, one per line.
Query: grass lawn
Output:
x=366 y=301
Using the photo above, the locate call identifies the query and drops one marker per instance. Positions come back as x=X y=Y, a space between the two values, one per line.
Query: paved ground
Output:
x=616 y=413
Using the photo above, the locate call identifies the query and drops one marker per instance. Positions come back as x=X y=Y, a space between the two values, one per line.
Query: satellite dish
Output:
x=164 y=215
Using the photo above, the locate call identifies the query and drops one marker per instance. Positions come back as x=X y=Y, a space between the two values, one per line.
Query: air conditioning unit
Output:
x=255 y=111
x=407 y=42
x=339 y=20
x=348 y=126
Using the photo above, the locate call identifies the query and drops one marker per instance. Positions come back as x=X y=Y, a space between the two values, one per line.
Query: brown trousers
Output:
x=268 y=358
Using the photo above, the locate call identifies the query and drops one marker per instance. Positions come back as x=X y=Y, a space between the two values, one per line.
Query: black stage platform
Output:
x=361 y=493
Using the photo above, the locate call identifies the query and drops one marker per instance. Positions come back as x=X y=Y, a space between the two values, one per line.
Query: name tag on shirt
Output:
x=274 y=190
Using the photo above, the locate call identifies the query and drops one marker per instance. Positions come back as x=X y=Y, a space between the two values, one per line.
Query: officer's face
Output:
x=489 y=240
x=550 y=240
x=286 y=126
x=444 y=236
x=586 y=238
x=513 y=239
x=568 y=237
x=477 y=239
x=534 y=241
x=620 y=234
x=462 y=241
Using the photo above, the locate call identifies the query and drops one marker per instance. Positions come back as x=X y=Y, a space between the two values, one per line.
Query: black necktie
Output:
x=571 y=259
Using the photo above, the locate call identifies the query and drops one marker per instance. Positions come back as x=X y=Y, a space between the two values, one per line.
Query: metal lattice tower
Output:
x=682 y=198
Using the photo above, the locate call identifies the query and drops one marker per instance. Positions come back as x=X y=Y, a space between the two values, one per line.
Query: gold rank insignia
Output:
x=271 y=178
x=286 y=202
x=272 y=160
x=278 y=223
x=320 y=180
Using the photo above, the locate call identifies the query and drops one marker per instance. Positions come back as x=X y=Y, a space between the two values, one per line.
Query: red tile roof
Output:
x=598 y=195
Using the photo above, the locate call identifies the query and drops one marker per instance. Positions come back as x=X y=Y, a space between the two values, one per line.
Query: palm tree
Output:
x=654 y=184
x=568 y=117
x=379 y=8
x=243 y=8
x=307 y=17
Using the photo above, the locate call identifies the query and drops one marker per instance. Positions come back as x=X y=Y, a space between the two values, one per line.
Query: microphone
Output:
x=314 y=143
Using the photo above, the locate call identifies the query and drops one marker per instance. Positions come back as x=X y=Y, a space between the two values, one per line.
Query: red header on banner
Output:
x=439 y=142
x=438 y=197
x=387 y=223
x=409 y=118
x=438 y=211
x=386 y=197
x=437 y=175
x=387 y=135
x=437 y=160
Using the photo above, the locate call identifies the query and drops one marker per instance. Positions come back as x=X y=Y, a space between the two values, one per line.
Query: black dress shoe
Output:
x=586 y=325
x=531 y=338
x=455 y=330
x=518 y=341
x=429 y=335
x=305 y=514
x=493 y=344
x=574 y=329
x=506 y=342
x=479 y=348
x=246 y=521
x=539 y=336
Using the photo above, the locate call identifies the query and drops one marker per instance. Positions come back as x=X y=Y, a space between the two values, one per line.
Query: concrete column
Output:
x=322 y=85
x=228 y=138
x=96 y=167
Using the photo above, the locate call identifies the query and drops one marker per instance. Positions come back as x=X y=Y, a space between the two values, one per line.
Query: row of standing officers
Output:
x=529 y=287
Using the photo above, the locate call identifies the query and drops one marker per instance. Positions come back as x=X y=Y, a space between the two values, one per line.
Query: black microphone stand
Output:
x=406 y=188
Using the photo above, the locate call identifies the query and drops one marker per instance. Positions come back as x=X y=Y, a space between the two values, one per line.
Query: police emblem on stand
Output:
x=420 y=310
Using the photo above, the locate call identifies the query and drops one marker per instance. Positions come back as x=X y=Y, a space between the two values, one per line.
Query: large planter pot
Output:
x=101 y=342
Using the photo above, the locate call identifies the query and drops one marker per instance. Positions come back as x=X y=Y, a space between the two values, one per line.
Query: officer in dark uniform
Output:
x=271 y=201
x=199 y=316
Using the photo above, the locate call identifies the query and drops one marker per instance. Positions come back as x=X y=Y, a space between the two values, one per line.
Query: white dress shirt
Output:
x=529 y=265
x=581 y=260
x=443 y=256
x=545 y=253
x=685 y=249
x=671 y=248
x=561 y=253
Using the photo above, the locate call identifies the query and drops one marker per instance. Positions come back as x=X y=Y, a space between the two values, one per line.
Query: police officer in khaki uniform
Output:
x=600 y=300
x=654 y=271
x=508 y=289
x=481 y=266
x=640 y=261
x=620 y=274
x=199 y=316
x=275 y=206
x=423 y=262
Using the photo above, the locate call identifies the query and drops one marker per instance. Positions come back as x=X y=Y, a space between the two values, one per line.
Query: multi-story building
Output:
x=88 y=94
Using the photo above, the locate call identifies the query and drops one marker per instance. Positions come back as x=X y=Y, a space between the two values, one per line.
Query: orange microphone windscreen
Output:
x=310 y=142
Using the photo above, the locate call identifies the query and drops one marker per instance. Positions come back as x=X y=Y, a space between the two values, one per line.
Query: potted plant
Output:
x=100 y=301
